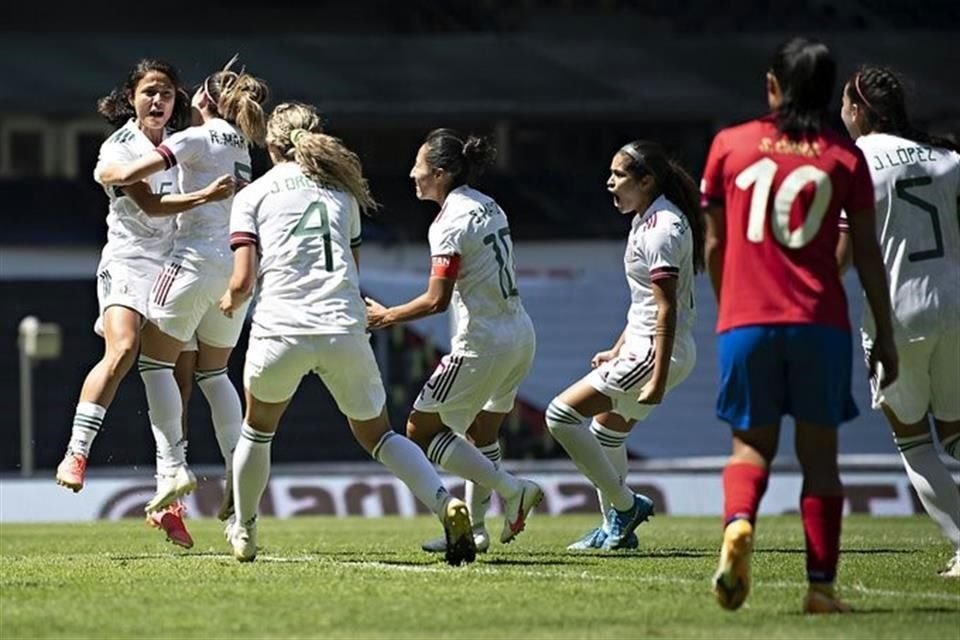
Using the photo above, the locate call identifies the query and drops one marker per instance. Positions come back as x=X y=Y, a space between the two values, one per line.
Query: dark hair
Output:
x=115 y=107
x=465 y=158
x=238 y=98
x=649 y=158
x=879 y=90
x=806 y=73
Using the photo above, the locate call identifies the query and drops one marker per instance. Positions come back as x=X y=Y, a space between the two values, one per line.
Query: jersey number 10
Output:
x=501 y=252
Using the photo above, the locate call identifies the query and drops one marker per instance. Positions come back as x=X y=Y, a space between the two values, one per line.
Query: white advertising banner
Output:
x=374 y=494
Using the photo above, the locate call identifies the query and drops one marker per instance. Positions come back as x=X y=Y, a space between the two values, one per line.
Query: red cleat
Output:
x=170 y=520
x=71 y=470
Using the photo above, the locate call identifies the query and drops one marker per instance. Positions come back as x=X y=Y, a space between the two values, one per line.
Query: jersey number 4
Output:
x=315 y=222
x=760 y=175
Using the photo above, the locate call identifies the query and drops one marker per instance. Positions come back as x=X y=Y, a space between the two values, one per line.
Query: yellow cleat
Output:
x=731 y=584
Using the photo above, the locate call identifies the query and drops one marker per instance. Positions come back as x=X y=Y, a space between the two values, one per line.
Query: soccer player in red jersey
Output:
x=773 y=189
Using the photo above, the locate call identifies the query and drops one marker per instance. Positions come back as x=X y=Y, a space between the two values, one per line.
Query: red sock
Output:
x=743 y=486
x=822 y=516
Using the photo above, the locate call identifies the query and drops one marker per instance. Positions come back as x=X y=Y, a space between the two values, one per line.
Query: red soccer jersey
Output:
x=782 y=201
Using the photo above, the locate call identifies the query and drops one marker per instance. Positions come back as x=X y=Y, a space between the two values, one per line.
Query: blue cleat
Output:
x=623 y=523
x=595 y=539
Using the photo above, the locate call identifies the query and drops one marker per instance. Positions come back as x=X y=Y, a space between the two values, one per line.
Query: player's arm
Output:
x=715 y=244
x=603 y=356
x=168 y=204
x=125 y=173
x=434 y=300
x=844 y=252
x=665 y=295
x=869 y=264
x=242 y=280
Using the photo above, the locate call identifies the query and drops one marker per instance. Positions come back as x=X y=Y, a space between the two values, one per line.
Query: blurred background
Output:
x=558 y=84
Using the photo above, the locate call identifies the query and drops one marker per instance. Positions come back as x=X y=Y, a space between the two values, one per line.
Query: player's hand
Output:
x=602 y=356
x=884 y=362
x=229 y=303
x=221 y=188
x=652 y=393
x=376 y=314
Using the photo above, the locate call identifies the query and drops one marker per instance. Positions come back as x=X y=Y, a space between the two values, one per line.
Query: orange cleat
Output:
x=71 y=470
x=170 y=520
x=823 y=600
x=731 y=583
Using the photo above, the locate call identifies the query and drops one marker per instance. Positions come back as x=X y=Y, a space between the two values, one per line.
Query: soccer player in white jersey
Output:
x=475 y=385
x=296 y=230
x=184 y=298
x=654 y=353
x=916 y=184
x=140 y=227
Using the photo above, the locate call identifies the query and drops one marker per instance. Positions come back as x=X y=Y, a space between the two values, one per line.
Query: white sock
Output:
x=461 y=458
x=165 y=411
x=951 y=445
x=251 y=470
x=225 y=410
x=86 y=426
x=933 y=483
x=615 y=449
x=406 y=460
x=567 y=426
x=476 y=496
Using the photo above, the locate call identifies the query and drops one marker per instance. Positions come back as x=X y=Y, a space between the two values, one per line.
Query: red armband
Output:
x=445 y=266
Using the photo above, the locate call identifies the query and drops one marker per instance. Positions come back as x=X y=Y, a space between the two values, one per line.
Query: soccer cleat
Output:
x=731 y=583
x=594 y=540
x=243 y=539
x=170 y=520
x=480 y=538
x=624 y=523
x=460 y=545
x=226 y=503
x=172 y=487
x=71 y=470
x=952 y=569
x=821 y=599
x=517 y=507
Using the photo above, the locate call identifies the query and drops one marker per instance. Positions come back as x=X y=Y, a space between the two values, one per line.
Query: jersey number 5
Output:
x=501 y=252
x=902 y=193
x=315 y=222
x=760 y=175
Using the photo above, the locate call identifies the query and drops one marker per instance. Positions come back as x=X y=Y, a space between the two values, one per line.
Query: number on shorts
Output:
x=242 y=172
x=501 y=252
x=760 y=175
x=315 y=222
x=902 y=193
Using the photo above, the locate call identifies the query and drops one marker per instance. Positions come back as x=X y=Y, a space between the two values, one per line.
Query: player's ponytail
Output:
x=805 y=71
x=294 y=130
x=238 y=98
x=675 y=183
x=880 y=93
x=464 y=157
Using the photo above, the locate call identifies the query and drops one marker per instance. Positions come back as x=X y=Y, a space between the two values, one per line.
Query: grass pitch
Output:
x=367 y=578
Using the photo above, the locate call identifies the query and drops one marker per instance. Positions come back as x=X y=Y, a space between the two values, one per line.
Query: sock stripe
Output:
x=253 y=435
x=87 y=422
x=383 y=440
x=439 y=446
x=200 y=376
x=906 y=444
x=609 y=441
x=563 y=414
x=952 y=445
x=149 y=364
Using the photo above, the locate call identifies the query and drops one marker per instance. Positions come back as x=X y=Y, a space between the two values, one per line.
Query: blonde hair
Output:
x=295 y=130
x=239 y=99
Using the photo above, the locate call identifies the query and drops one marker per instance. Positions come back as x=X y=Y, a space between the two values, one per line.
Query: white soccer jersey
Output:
x=308 y=280
x=204 y=153
x=472 y=232
x=916 y=188
x=131 y=233
x=660 y=245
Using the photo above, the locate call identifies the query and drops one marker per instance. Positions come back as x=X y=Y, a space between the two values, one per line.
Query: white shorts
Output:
x=184 y=302
x=275 y=365
x=929 y=379
x=463 y=386
x=125 y=283
x=622 y=378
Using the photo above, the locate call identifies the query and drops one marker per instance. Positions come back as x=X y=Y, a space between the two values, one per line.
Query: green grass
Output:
x=367 y=578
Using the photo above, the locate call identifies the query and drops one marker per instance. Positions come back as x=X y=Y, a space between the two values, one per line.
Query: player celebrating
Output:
x=297 y=230
x=655 y=351
x=141 y=226
x=774 y=188
x=475 y=385
x=185 y=296
x=916 y=181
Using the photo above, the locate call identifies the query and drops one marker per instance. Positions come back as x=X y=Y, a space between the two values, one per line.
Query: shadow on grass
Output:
x=879 y=611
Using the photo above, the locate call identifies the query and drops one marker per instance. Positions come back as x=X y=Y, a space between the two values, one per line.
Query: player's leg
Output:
x=945 y=405
x=121 y=334
x=484 y=433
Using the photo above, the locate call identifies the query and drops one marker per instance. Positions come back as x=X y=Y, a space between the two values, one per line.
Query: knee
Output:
x=419 y=436
x=561 y=417
x=121 y=354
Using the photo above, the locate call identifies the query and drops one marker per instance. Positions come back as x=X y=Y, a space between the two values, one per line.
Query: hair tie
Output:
x=635 y=155
x=856 y=84
x=295 y=135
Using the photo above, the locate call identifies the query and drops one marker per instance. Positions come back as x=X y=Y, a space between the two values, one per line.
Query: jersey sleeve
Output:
x=663 y=246
x=711 y=185
x=860 y=195
x=356 y=237
x=445 y=251
x=112 y=153
x=183 y=147
x=243 y=219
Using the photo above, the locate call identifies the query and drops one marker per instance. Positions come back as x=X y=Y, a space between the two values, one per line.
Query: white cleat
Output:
x=226 y=504
x=480 y=537
x=517 y=507
x=243 y=539
x=172 y=487
x=953 y=567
